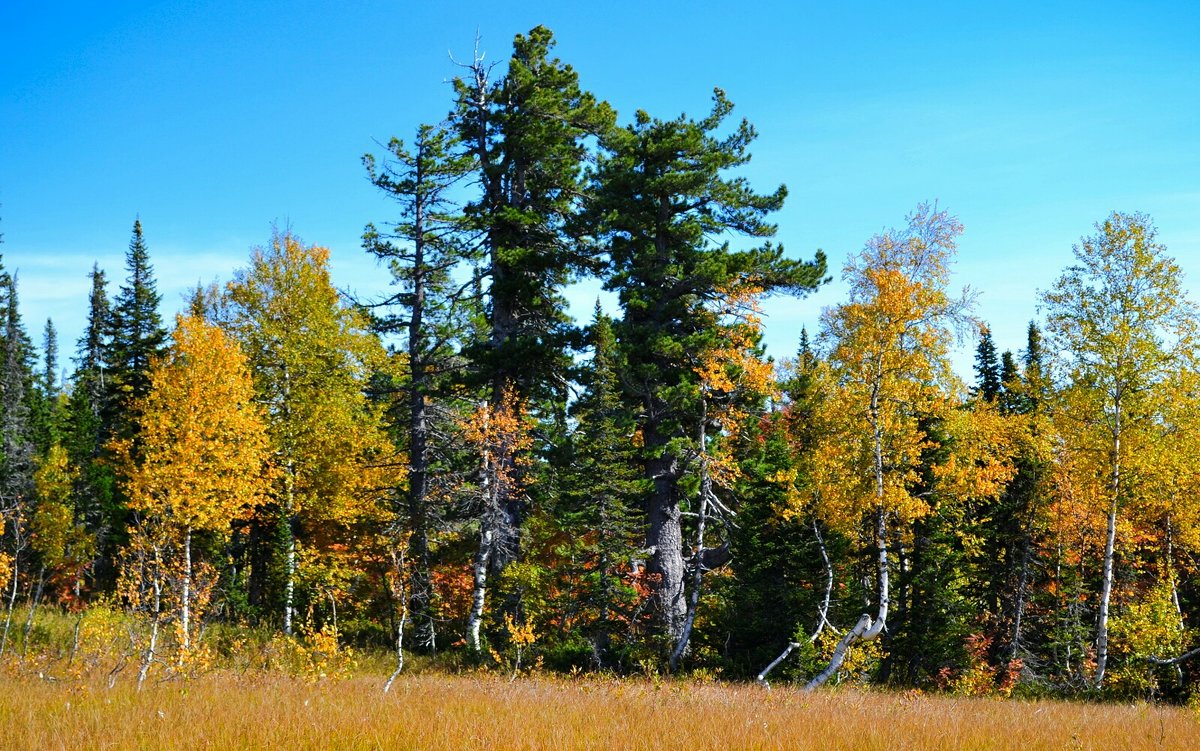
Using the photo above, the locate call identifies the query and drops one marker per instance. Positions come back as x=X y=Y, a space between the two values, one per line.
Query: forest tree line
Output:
x=458 y=469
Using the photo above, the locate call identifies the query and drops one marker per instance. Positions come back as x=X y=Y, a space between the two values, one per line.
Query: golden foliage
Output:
x=201 y=456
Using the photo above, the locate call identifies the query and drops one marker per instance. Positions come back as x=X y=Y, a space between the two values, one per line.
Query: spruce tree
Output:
x=46 y=410
x=17 y=460
x=136 y=332
x=1012 y=397
x=16 y=379
x=600 y=494
x=87 y=429
x=988 y=383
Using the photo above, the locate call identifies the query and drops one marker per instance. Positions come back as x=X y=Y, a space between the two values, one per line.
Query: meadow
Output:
x=256 y=710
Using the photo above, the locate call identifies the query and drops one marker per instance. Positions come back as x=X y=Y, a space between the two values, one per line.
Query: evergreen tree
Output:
x=136 y=332
x=86 y=431
x=599 y=499
x=17 y=460
x=663 y=195
x=16 y=380
x=1012 y=398
x=423 y=250
x=46 y=409
x=527 y=134
x=988 y=381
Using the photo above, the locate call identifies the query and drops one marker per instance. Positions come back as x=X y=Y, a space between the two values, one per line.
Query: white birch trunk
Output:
x=185 y=612
x=823 y=612
x=479 y=593
x=289 y=587
x=1109 y=546
x=860 y=631
x=402 y=598
x=148 y=657
x=37 y=596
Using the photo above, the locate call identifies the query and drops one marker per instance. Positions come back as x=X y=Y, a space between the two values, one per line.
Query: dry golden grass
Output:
x=261 y=711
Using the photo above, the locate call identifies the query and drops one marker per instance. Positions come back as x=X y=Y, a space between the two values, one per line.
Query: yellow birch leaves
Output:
x=201 y=455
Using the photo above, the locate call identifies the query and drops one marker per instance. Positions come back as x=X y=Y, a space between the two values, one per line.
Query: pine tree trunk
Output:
x=698 y=573
x=664 y=535
x=421 y=588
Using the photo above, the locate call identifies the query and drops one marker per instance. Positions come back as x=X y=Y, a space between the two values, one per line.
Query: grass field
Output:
x=266 y=711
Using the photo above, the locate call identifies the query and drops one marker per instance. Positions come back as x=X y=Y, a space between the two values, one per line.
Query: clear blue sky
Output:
x=211 y=120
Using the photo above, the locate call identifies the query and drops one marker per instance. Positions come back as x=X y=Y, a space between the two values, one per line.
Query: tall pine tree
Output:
x=527 y=133
x=664 y=197
x=423 y=250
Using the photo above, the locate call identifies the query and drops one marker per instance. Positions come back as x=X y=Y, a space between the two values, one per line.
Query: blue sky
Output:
x=212 y=120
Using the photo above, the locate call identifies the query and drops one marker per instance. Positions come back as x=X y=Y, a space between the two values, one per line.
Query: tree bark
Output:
x=681 y=645
x=664 y=534
x=860 y=631
x=402 y=598
x=1109 y=547
x=479 y=591
x=289 y=520
x=421 y=589
x=186 y=605
x=33 y=603
x=148 y=656
x=823 y=611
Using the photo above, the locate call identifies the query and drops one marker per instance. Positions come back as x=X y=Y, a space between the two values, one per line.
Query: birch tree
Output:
x=1121 y=325
x=203 y=456
x=311 y=355
x=888 y=367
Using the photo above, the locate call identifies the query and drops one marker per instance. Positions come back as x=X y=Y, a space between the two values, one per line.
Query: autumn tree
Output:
x=311 y=356
x=890 y=371
x=203 y=452
x=1121 y=326
x=495 y=434
x=665 y=199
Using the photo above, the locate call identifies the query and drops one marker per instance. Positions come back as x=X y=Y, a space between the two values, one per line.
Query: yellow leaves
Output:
x=982 y=445
x=522 y=635
x=310 y=355
x=500 y=427
x=202 y=455
x=6 y=571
